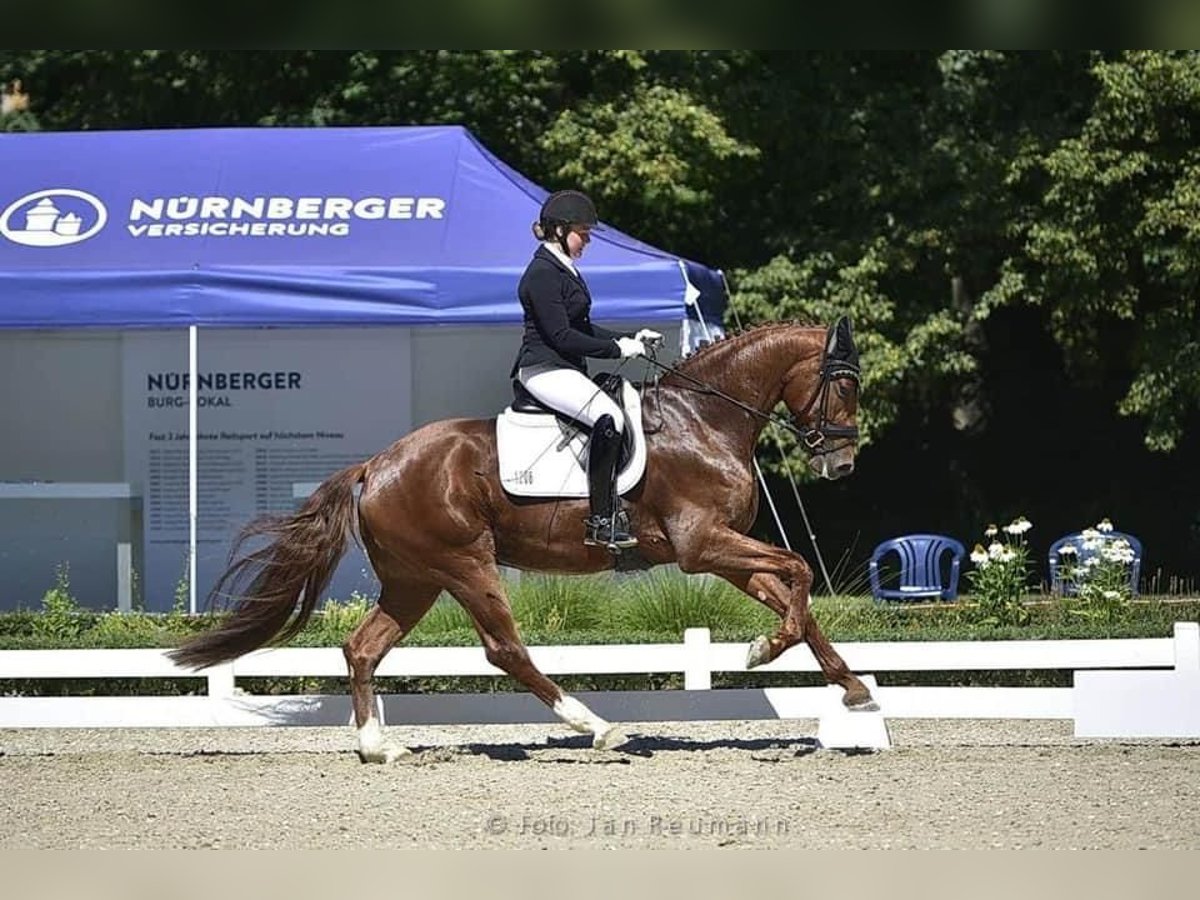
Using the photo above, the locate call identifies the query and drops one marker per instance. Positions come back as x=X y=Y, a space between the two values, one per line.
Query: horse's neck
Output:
x=751 y=369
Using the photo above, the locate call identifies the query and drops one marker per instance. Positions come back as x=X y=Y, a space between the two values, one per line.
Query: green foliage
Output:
x=655 y=151
x=446 y=621
x=918 y=191
x=1096 y=577
x=554 y=604
x=1000 y=574
x=338 y=619
x=668 y=602
x=1110 y=243
x=116 y=629
x=14 y=108
x=61 y=617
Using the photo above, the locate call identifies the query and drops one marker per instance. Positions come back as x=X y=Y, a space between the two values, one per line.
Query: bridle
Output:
x=812 y=436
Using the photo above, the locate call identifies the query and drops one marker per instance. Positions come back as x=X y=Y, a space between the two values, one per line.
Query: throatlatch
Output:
x=608 y=525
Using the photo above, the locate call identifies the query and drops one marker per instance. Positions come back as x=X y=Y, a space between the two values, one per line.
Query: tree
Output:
x=1109 y=242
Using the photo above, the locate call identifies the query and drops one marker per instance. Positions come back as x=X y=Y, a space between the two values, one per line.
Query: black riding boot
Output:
x=607 y=526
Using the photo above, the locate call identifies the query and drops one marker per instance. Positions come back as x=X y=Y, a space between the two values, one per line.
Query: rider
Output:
x=559 y=336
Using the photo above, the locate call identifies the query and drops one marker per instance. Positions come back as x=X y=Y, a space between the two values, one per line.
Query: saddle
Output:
x=544 y=453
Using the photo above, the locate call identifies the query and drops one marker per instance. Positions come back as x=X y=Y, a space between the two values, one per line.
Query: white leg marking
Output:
x=583 y=720
x=373 y=748
x=759 y=652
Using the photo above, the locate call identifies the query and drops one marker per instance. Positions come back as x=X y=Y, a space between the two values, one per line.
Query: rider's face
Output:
x=577 y=239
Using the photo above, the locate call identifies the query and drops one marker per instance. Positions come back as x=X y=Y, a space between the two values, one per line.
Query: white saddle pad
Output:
x=537 y=460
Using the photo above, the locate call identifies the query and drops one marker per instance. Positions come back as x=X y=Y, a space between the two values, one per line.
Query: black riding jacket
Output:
x=557 y=307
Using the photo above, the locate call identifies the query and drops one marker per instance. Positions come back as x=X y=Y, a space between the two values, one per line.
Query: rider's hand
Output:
x=631 y=347
x=649 y=337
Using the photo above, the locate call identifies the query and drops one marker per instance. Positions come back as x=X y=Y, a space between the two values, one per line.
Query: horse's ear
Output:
x=841 y=340
x=845 y=338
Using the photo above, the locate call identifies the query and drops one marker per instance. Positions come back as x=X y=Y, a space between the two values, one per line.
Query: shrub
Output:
x=339 y=618
x=1097 y=581
x=552 y=604
x=61 y=617
x=1001 y=570
x=669 y=602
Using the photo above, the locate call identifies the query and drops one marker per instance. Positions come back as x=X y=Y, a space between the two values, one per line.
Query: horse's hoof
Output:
x=388 y=753
x=867 y=705
x=760 y=652
x=610 y=737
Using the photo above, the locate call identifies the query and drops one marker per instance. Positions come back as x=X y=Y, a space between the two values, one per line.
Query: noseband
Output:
x=815 y=435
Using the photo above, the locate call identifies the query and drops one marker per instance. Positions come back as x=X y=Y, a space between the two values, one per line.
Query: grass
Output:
x=667 y=602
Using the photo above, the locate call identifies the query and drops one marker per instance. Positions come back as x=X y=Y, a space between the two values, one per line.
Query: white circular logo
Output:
x=53 y=218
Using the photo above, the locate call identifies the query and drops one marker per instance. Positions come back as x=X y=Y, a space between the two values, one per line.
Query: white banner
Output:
x=276 y=407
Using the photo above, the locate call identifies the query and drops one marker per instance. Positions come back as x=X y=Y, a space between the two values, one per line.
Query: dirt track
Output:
x=950 y=784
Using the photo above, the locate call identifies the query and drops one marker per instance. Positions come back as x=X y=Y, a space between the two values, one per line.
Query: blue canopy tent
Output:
x=283 y=226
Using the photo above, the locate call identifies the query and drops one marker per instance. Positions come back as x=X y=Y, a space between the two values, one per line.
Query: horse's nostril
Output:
x=845 y=468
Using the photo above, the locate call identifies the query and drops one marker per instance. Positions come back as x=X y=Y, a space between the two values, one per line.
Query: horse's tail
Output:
x=295 y=567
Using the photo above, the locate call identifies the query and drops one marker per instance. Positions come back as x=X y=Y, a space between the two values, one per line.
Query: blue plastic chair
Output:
x=921 y=568
x=1061 y=585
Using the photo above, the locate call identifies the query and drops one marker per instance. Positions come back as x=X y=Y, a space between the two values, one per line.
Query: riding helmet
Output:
x=567 y=208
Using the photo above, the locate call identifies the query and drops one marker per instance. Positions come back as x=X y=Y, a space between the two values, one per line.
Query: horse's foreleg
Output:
x=483 y=598
x=780 y=580
x=395 y=616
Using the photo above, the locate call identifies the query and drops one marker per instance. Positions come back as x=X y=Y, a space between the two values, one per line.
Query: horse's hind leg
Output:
x=482 y=595
x=398 y=611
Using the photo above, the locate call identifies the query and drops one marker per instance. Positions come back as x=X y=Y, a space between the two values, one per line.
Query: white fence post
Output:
x=220 y=681
x=697 y=675
x=1187 y=646
x=124 y=577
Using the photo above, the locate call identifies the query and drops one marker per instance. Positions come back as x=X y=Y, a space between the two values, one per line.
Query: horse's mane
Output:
x=699 y=359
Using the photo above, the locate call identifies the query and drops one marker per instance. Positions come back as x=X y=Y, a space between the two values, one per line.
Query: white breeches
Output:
x=571 y=392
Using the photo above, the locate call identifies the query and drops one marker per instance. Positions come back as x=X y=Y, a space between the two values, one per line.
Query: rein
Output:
x=813 y=436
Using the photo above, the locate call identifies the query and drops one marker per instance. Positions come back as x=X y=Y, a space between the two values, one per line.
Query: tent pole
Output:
x=192 y=467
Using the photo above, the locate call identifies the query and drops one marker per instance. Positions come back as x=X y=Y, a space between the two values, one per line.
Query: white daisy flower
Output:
x=1018 y=526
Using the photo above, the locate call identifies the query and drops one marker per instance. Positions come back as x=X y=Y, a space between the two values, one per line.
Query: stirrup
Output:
x=613 y=534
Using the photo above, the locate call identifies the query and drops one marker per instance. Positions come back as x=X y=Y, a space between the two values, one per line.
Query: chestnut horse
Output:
x=433 y=517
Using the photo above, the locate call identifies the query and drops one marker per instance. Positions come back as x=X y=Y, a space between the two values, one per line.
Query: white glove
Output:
x=631 y=347
x=649 y=337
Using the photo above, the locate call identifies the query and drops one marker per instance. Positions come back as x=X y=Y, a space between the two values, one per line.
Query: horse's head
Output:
x=824 y=404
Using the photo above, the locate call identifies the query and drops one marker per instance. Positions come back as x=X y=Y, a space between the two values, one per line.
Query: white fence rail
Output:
x=1126 y=687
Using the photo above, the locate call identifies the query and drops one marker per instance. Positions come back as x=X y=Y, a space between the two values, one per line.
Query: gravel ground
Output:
x=945 y=784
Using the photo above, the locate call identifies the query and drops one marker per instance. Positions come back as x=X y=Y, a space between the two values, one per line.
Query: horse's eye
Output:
x=843 y=389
